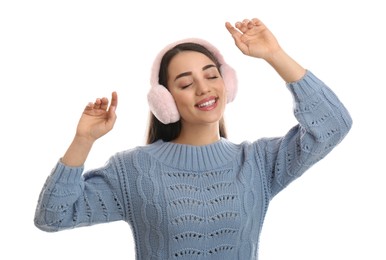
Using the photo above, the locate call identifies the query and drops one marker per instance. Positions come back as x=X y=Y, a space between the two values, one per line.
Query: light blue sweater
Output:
x=197 y=202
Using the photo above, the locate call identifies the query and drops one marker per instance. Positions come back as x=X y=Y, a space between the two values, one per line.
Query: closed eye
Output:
x=186 y=86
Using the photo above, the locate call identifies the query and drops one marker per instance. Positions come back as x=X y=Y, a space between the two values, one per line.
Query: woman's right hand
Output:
x=98 y=118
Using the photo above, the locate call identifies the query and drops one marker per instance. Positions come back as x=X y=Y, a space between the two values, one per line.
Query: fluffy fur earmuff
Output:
x=162 y=103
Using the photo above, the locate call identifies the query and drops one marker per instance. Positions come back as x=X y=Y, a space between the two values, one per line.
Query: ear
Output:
x=162 y=104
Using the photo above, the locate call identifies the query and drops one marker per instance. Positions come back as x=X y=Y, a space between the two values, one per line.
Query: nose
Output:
x=201 y=88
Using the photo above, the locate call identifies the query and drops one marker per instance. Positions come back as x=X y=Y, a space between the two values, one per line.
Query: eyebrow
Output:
x=183 y=74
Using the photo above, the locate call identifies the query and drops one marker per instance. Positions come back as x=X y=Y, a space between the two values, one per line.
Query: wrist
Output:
x=77 y=152
x=83 y=140
x=276 y=57
x=288 y=69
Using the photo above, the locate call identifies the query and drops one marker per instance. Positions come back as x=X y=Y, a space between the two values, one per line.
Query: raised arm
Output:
x=323 y=120
x=254 y=39
x=68 y=196
x=97 y=119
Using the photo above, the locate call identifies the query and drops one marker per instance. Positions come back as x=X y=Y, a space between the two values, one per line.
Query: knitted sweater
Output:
x=197 y=202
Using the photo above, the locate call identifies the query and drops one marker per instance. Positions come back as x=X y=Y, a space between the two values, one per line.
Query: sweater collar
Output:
x=193 y=158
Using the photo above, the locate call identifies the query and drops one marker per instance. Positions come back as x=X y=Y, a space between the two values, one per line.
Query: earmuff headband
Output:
x=161 y=102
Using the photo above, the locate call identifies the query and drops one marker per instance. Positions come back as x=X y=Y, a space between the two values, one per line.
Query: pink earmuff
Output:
x=162 y=103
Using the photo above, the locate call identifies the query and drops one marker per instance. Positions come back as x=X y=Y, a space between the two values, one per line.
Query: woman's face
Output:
x=197 y=87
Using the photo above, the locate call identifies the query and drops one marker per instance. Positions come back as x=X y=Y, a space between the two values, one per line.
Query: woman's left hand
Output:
x=253 y=38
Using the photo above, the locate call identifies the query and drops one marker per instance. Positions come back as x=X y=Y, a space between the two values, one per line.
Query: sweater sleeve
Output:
x=71 y=199
x=323 y=121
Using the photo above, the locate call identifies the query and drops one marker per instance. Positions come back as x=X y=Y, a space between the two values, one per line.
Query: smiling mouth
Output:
x=207 y=103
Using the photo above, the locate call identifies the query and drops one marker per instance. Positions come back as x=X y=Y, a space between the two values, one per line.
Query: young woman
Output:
x=190 y=193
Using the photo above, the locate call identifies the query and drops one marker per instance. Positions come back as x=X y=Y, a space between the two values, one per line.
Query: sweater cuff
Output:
x=66 y=174
x=305 y=87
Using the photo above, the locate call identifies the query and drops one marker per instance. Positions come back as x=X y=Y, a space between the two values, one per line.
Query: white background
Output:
x=55 y=56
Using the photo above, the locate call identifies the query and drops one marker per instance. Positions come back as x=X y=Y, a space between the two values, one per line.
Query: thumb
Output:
x=112 y=117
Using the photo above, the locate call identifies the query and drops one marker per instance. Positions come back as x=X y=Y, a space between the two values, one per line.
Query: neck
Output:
x=198 y=134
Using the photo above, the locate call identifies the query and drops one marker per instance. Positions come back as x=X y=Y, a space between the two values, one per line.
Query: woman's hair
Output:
x=169 y=132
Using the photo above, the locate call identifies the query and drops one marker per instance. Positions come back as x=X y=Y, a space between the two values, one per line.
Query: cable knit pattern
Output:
x=197 y=202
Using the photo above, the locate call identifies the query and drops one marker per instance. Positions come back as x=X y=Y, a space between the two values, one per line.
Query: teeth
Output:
x=208 y=103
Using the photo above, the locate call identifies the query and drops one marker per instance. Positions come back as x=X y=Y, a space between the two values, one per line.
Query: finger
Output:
x=114 y=99
x=97 y=103
x=256 y=21
x=89 y=106
x=237 y=35
x=238 y=25
x=243 y=26
x=232 y=30
x=113 y=106
x=112 y=116
x=104 y=103
x=250 y=24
